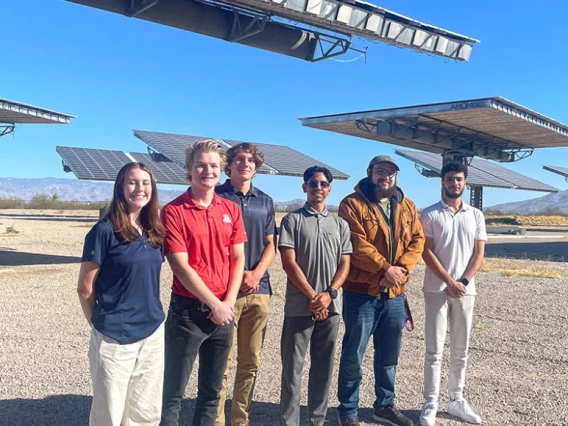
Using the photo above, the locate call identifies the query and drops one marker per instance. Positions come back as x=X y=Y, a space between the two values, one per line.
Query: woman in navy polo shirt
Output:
x=119 y=290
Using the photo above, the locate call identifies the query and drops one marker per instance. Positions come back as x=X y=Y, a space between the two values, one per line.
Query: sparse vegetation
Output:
x=527 y=220
x=44 y=201
x=511 y=267
x=11 y=230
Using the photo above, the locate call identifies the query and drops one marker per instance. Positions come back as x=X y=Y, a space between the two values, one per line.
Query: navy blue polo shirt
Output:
x=257 y=209
x=127 y=289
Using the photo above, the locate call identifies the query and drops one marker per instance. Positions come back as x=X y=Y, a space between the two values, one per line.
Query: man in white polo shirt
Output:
x=455 y=246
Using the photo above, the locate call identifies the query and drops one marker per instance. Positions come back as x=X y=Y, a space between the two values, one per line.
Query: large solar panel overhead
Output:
x=287 y=26
x=562 y=171
x=19 y=113
x=492 y=128
x=480 y=172
x=101 y=164
x=278 y=159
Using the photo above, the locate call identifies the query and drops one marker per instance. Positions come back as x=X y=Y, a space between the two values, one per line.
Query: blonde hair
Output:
x=204 y=145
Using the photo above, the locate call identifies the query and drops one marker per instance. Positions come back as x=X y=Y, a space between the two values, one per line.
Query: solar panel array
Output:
x=562 y=171
x=480 y=172
x=102 y=164
x=278 y=159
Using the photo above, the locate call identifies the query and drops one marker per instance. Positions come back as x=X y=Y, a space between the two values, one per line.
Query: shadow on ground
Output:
x=73 y=410
x=552 y=251
x=63 y=410
x=18 y=258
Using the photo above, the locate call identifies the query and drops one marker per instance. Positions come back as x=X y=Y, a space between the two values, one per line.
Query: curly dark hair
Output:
x=243 y=147
x=454 y=166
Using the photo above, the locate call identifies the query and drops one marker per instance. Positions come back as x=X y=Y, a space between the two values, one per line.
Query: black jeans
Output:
x=189 y=332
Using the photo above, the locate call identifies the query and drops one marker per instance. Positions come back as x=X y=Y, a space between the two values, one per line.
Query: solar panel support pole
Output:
x=6 y=129
x=476 y=196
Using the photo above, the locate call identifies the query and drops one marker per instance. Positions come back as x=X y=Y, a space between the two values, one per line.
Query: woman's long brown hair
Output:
x=149 y=218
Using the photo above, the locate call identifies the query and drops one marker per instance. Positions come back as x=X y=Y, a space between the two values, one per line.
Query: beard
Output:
x=453 y=195
x=381 y=193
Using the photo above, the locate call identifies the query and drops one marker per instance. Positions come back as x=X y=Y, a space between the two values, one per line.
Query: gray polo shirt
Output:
x=319 y=240
x=454 y=236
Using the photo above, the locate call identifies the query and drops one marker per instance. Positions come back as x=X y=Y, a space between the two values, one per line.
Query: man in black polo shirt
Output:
x=252 y=306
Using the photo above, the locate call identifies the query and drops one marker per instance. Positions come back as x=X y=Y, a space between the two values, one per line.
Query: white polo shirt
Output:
x=454 y=236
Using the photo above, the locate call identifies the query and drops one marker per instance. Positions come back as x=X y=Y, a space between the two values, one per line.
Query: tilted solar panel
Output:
x=518 y=180
x=93 y=164
x=101 y=164
x=562 y=171
x=164 y=171
x=480 y=172
x=279 y=160
x=289 y=162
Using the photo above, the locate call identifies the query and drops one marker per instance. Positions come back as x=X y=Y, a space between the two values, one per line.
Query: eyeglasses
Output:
x=321 y=183
x=384 y=172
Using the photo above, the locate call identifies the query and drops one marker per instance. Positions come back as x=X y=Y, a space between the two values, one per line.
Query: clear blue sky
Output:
x=117 y=74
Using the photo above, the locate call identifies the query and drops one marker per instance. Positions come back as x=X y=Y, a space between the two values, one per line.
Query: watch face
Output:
x=332 y=292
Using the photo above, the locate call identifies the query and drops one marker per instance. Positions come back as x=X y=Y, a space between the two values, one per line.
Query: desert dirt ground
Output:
x=517 y=374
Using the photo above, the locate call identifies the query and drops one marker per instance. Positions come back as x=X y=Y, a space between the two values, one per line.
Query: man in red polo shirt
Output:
x=205 y=249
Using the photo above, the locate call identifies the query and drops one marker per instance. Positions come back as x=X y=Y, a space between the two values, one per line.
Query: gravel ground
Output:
x=517 y=375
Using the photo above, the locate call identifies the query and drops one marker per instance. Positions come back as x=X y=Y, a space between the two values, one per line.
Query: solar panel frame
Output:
x=278 y=159
x=480 y=172
x=12 y=112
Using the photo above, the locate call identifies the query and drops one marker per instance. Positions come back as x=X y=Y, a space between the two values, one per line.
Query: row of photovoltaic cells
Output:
x=100 y=164
x=480 y=172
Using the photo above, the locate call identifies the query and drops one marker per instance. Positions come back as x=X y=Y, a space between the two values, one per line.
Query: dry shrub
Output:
x=528 y=220
x=510 y=267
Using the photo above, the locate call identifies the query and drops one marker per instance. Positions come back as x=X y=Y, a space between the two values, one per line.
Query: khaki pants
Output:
x=127 y=380
x=251 y=318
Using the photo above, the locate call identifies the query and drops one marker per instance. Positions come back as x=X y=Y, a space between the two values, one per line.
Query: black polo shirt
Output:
x=127 y=289
x=258 y=214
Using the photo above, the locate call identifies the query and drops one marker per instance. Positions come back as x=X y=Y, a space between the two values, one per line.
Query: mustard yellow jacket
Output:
x=371 y=238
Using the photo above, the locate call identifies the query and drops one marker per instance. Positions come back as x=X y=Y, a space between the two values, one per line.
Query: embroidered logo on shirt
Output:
x=226 y=218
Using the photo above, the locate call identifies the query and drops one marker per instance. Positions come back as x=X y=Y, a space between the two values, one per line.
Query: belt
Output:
x=188 y=301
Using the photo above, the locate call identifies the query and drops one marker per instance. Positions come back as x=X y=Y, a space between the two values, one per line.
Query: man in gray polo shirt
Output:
x=455 y=246
x=315 y=246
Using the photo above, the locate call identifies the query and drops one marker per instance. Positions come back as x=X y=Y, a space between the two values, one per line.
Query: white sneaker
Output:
x=461 y=409
x=428 y=414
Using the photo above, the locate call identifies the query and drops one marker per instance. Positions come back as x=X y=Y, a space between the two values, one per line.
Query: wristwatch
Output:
x=332 y=292
x=464 y=281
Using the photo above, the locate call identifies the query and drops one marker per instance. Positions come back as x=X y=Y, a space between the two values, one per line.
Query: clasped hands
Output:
x=395 y=275
x=319 y=304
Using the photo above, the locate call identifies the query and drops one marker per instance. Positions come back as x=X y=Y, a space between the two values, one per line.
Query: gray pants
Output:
x=296 y=334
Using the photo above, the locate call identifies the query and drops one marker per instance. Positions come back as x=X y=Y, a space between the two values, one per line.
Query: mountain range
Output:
x=550 y=203
x=86 y=191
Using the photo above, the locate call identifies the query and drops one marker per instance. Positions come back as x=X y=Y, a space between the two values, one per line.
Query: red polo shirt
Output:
x=206 y=235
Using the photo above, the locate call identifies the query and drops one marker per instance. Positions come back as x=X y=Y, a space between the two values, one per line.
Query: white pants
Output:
x=440 y=310
x=127 y=380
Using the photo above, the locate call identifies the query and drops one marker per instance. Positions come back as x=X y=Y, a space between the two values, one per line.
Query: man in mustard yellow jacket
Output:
x=387 y=242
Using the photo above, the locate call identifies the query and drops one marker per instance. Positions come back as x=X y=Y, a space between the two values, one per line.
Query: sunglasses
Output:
x=321 y=183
